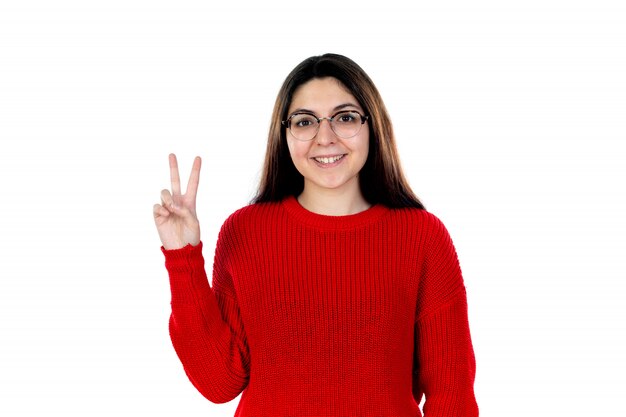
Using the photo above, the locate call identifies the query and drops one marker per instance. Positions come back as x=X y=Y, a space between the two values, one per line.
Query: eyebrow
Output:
x=337 y=108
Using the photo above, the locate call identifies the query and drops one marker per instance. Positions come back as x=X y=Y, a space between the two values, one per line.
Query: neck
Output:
x=333 y=202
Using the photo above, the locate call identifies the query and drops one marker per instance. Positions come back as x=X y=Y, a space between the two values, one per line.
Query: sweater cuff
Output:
x=188 y=279
x=185 y=259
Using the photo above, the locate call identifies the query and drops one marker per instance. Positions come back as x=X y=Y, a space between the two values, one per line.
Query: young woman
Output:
x=335 y=293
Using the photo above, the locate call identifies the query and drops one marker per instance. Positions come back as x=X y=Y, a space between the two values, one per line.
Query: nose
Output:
x=325 y=134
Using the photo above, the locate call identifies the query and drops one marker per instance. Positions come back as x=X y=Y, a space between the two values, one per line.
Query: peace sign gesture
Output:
x=175 y=217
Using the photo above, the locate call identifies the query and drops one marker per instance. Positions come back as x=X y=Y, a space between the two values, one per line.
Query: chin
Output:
x=334 y=184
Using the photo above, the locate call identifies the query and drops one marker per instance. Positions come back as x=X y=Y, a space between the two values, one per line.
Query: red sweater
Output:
x=313 y=315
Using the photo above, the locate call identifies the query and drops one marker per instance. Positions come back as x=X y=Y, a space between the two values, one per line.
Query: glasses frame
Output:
x=287 y=123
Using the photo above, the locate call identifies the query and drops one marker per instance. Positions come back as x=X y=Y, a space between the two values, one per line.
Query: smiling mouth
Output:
x=329 y=160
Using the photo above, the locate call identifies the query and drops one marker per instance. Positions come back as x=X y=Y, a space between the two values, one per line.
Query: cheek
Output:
x=364 y=148
x=297 y=150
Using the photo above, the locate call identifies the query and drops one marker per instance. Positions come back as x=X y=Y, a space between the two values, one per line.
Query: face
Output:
x=327 y=161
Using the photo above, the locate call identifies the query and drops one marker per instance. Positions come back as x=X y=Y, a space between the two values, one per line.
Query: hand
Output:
x=175 y=217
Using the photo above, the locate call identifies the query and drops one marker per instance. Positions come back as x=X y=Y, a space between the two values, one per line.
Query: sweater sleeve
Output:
x=444 y=362
x=205 y=326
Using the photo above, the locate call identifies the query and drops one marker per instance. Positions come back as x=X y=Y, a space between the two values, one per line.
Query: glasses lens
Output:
x=347 y=124
x=303 y=126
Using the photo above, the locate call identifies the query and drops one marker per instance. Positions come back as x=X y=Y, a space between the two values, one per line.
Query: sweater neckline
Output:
x=327 y=222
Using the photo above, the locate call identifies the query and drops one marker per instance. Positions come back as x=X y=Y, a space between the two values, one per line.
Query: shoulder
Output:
x=422 y=227
x=411 y=216
x=251 y=215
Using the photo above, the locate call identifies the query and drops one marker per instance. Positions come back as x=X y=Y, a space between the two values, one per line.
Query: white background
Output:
x=510 y=119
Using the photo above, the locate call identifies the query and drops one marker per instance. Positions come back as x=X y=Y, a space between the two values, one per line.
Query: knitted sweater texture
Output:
x=326 y=316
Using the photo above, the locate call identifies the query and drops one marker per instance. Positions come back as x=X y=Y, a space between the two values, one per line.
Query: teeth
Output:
x=329 y=160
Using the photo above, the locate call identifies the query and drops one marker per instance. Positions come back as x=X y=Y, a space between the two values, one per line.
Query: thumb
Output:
x=177 y=209
x=181 y=211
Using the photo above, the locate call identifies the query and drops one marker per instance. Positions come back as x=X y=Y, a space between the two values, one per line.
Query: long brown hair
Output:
x=381 y=179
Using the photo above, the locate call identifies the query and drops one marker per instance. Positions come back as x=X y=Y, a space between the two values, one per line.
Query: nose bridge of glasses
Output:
x=330 y=123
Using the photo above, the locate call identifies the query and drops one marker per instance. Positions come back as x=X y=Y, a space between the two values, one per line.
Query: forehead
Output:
x=321 y=95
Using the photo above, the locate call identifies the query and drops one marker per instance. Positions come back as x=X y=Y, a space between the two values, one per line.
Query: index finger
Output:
x=194 y=177
x=174 y=175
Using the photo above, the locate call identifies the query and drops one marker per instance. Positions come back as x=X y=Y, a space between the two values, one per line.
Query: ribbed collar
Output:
x=325 y=222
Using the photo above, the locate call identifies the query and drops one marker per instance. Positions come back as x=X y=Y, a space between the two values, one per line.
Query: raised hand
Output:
x=175 y=217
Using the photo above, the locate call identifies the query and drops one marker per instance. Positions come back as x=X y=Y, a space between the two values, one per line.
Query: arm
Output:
x=205 y=327
x=444 y=362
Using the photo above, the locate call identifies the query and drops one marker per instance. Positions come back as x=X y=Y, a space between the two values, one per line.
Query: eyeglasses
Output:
x=345 y=124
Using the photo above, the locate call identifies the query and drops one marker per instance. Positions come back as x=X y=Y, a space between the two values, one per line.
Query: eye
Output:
x=346 y=117
x=302 y=121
